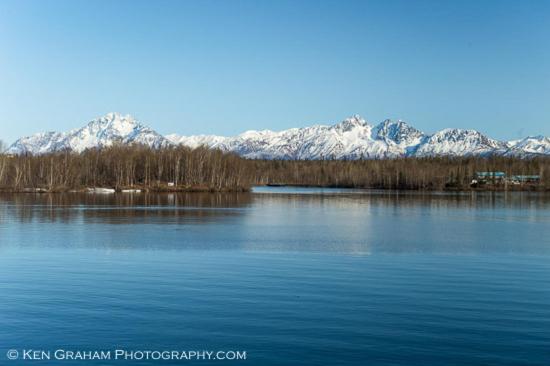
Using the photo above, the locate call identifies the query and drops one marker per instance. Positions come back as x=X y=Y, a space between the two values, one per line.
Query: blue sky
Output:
x=227 y=66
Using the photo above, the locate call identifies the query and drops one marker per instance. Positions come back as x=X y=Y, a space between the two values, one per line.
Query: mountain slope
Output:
x=39 y=143
x=353 y=138
x=458 y=142
x=101 y=132
x=530 y=145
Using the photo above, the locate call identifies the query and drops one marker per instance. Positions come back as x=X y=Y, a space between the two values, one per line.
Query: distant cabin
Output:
x=498 y=177
x=526 y=178
x=490 y=176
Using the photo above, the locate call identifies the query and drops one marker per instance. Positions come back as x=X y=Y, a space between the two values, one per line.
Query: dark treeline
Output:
x=182 y=168
x=404 y=173
x=122 y=167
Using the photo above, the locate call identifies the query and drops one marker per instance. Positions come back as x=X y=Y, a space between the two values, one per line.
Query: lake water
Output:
x=291 y=276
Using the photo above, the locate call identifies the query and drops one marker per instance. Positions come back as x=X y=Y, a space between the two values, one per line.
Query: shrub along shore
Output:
x=181 y=169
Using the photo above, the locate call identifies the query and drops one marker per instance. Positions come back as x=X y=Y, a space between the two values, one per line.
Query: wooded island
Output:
x=183 y=169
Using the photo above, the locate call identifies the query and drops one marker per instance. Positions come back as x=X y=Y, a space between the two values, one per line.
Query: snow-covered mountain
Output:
x=352 y=138
x=530 y=145
x=457 y=142
x=39 y=143
x=100 y=132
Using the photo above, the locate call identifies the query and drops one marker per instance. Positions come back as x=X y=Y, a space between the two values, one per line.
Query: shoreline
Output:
x=510 y=188
x=200 y=189
x=136 y=190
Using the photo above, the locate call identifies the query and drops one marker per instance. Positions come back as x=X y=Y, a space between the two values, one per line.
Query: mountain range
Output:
x=353 y=138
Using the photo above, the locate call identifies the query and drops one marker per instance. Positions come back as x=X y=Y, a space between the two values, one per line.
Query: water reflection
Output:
x=438 y=199
x=337 y=278
x=120 y=208
x=331 y=221
x=138 y=199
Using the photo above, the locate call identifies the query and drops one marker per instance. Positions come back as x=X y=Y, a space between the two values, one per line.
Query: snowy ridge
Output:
x=457 y=142
x=353 y=138
x=531 y=145
x=100 y=132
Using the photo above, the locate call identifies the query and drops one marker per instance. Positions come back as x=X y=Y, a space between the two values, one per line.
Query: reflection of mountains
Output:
x=123 y=208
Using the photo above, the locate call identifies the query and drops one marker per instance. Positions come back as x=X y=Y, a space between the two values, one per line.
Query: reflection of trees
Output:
x=377 y=221
x=404 y=199
x=70 y=206
x=120 y=208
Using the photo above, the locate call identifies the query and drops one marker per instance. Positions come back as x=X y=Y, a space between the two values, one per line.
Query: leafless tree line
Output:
x=182 y=168
x=122 y=167
x=404 y=173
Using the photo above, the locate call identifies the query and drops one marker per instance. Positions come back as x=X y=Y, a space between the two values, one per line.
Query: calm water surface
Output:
x=291 y=276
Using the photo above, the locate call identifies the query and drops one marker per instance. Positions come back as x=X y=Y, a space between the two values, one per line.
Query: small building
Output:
x=519 y=179
x=490 y=177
